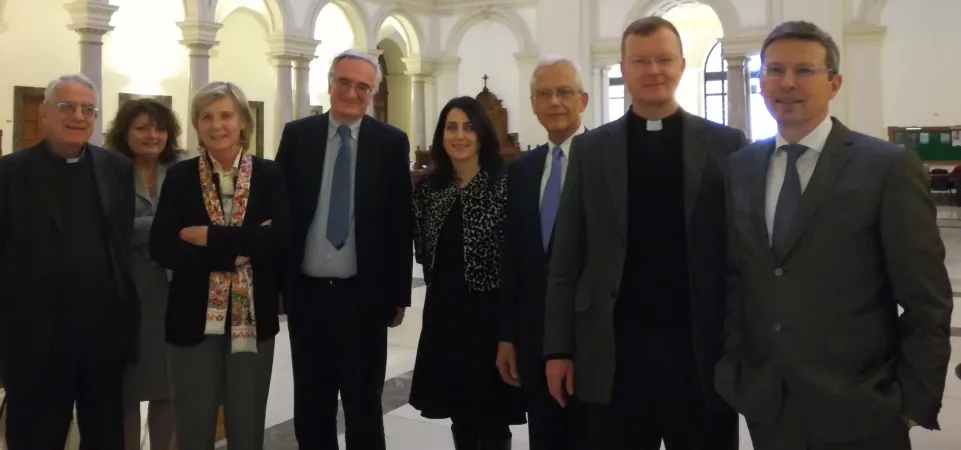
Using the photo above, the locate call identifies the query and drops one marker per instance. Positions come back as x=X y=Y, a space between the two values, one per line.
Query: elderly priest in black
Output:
x=69 y=311
x=635 y=291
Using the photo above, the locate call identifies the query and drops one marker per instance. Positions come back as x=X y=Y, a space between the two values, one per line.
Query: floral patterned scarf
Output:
x=233 y=290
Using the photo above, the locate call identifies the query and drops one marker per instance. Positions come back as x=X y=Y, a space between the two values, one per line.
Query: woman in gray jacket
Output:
x=146 y=131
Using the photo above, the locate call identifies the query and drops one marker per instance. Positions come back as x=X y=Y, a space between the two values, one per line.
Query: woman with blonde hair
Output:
x=221 y=227
x=146 y=131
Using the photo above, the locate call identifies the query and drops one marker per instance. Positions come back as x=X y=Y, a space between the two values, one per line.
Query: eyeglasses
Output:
x=68 y=108
x=800 y=72
x=361 y=89
x=648 y=63
x=563 y=94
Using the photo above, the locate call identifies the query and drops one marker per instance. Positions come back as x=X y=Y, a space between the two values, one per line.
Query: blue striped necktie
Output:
x=788 y=200
x=338 y=210
x=552 y=197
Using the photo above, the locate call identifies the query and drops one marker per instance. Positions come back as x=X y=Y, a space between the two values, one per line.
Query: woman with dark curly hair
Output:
x=146 y=131
x=459 y=219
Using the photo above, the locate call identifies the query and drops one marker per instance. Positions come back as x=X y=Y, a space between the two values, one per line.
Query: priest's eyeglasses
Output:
x=67 y=108
x=800 y=72
x=361 y=89
x=562 y=94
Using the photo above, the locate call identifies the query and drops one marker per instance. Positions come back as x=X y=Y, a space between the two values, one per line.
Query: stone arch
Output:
x=869 y=12
x=410 y=27
x=512 y=20
x=279 y=14
x=354 y=14
x=257 y=15
x=726 y=12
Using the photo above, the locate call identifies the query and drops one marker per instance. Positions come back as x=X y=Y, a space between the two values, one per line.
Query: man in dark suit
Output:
x=69 y=312
x=635 y=293
x=349 y=274
x=830 y=231
x=534 y=187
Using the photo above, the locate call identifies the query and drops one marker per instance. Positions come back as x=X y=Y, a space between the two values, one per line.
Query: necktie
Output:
x=552 y=196
x=338 y=212
x=788 y=199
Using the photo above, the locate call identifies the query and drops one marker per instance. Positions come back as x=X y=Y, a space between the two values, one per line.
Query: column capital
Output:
x=91 y=19
x=199 y=34
x=864 y=32
x=741 y=46
x=371 y=52
x=530 y=57
x=417 y=65
x=292 y=47
x=445 y=65
x=605 y=54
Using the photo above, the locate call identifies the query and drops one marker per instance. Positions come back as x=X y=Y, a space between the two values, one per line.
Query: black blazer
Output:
x=30 y=229
x=524 y=272
x=382 y=191
x=181 y=205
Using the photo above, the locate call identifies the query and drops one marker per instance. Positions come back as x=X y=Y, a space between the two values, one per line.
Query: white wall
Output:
x=921 y=72
x=335 y=35
x=488 y=47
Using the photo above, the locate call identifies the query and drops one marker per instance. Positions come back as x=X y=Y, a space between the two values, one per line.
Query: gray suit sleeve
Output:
x=567 y=260
x=914 y=257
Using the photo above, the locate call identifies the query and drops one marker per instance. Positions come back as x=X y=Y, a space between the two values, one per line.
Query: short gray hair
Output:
x=50 y=94
x=553 y=60
x=358 y=55
x=807 y=31
x=216 y=90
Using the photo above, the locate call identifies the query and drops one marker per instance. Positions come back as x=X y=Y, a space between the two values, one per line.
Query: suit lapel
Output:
x=532 y=193
x=315 y=148
x=365 y=173
x=695 y=156
x=760 y=161
x=44 y=182
x=829 y=166
x=615 y=158
x=101 y=173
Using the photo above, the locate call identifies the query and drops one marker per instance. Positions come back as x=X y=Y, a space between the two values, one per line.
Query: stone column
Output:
x=199 y=38
x=302 y=87
x=863 y=51
x=600 y=96
x=530 y=131
x=738 y=92
x=419 y=70
x=91 y=21
x=284 y=96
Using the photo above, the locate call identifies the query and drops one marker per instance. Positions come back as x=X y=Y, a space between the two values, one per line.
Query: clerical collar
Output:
x=59 y=157
x=655 y=125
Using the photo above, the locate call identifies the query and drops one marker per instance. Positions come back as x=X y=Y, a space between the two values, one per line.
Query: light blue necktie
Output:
x=788 y=200
x=338 y=211
x=552 y=197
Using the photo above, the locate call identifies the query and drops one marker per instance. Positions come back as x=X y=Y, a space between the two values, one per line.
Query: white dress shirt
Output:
x=814 y=141
x=566 y=149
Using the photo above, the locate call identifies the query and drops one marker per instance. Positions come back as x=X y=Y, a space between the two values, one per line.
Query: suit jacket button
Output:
x=778 y=272
x=776 y=327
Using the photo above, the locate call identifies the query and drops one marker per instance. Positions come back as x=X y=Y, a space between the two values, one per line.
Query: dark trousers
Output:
x=338 y=343
x=783 y=436
x=658 y=395
x=549 y=426
x=82 y=367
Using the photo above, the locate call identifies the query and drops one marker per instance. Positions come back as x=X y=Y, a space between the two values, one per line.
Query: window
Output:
x=615 y=93
x=763 y=124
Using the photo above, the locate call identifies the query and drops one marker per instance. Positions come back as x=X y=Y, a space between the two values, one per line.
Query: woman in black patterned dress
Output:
x=459 y=214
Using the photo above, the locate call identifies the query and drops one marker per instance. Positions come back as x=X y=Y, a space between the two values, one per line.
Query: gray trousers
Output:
x=207 y=375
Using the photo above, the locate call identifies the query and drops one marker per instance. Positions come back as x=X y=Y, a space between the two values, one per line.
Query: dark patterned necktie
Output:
x=338 y=212
x=788 y=199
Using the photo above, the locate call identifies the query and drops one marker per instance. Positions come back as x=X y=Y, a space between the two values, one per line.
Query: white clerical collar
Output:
x=654 y=125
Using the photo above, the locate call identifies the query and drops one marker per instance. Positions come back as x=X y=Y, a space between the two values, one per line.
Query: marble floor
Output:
x=406 y=430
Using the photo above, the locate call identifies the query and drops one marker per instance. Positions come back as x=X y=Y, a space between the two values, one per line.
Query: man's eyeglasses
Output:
x=563 y=94
x=800 y=72
x=361 y=89
x=67 y=108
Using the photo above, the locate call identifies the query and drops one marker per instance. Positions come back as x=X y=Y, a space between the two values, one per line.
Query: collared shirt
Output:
x=814 y=141
x=75 y=159
x=321 y=258
x=566 y=150
x=226 y=183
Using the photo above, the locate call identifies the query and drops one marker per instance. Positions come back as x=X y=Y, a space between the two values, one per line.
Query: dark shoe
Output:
x=465 y=441
x=957 y=371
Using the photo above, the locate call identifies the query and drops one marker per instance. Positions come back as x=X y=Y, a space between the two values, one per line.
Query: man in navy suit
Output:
x=534 y=187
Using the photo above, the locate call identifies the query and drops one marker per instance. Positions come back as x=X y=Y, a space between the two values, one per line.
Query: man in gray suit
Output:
x=635 y=293
x=830 y=231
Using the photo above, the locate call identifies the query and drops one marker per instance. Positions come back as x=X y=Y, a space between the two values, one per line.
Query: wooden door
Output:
x=28 y=126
